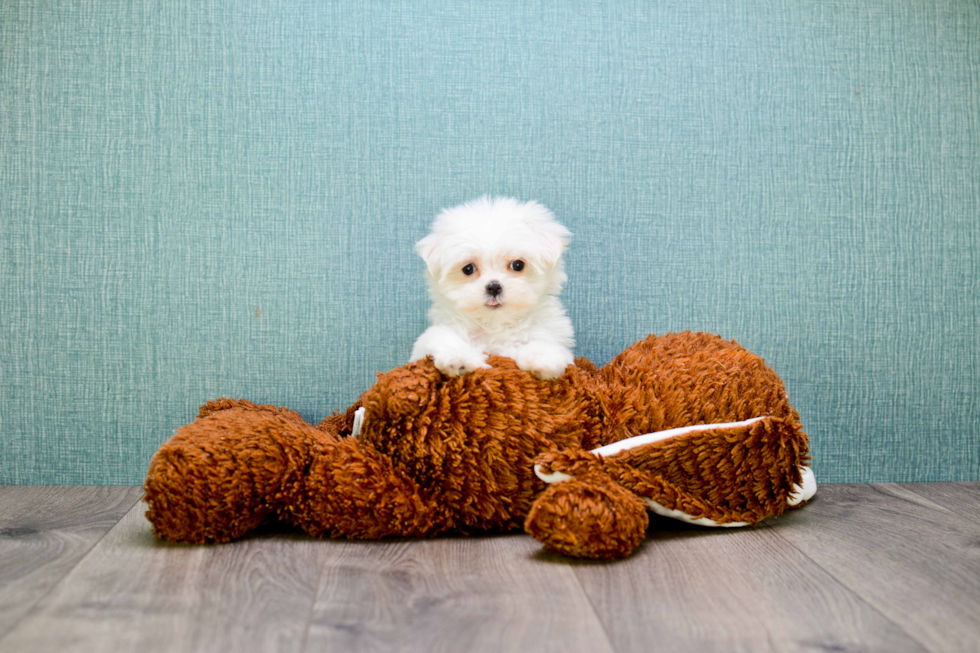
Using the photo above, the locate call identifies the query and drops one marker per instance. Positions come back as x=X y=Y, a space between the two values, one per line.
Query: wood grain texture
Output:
x=694 y=589
x=961 y=498
x=913 y=560
x=44 y=532
x=474 y=594
x=860 y=568
x=136 y=593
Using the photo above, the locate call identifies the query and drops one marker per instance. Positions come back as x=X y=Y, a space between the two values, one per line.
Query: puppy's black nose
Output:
x=494 y=288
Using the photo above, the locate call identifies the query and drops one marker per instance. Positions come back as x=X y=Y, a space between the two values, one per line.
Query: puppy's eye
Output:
x=517 y=266
x=469 y=269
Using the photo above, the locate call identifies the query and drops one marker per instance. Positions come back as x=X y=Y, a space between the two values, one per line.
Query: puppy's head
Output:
x=494 y=257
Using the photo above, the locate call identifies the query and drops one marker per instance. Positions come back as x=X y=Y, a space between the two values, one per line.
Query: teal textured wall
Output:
x=215 y=198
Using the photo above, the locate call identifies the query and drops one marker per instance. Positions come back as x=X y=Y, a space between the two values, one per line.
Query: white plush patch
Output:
x=683 y=516
x=657 y=436
x=555 y=477
x=358 y=421
x=806 y=492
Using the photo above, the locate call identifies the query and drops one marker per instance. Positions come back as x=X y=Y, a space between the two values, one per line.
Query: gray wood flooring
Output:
x=860 y=568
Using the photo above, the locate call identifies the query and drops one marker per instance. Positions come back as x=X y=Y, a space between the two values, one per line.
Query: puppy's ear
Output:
x=428 y=249
x=552 y=238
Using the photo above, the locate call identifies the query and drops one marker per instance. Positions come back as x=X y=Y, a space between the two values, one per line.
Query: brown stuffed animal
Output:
x=421 y=454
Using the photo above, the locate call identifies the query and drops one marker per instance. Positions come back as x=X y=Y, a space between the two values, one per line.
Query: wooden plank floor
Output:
x=860 y=568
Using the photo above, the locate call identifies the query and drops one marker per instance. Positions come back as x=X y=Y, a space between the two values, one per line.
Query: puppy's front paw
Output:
x=462 y=361
x=544 y=360
x=450 y=353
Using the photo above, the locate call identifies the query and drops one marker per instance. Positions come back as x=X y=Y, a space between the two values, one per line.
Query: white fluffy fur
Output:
x=525 y=321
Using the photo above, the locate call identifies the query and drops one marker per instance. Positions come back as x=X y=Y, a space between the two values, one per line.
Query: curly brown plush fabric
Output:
x=440 y=455
x=731 y=476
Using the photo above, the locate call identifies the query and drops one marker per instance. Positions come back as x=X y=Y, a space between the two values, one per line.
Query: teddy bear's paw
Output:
x=588 y=520
x=185 y=504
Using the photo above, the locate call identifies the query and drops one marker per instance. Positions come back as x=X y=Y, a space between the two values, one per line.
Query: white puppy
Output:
x=494 y=271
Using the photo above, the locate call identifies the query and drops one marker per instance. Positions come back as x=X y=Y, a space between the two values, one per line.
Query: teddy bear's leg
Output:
x=240 y=464
x=222 y=475
x=586 y=516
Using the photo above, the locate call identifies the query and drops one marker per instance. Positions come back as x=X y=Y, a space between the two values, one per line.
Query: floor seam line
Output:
x=316 y=597
x=595 y=612
x=860 y=597
x=955 y=511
